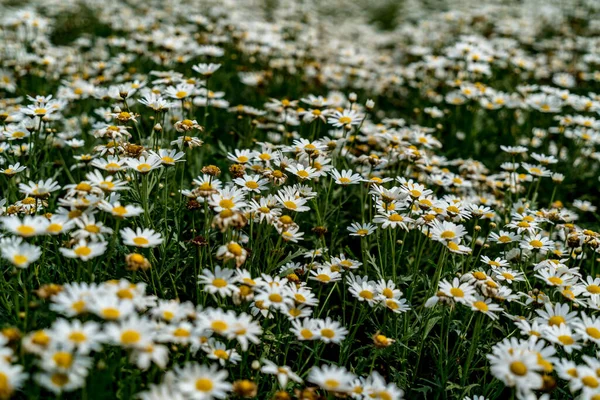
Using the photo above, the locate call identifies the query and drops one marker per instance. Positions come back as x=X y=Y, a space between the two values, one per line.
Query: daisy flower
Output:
x=206 y=70
x=486 y=307
x=40 y=189
x=283 y=373
x=200 y=382
x=84 y=250
x=346 y=177
x=219 y=352
x=230 y=198
x=12 y=378
x=20 y=254
x=536 y=243
x=245 y=331
x=13 y=169
x=345 y=119
x=251 y=183
x=232 y=251
x=460 y=292
x=169 y=157
x=392 y=220
x=144 y=165
x=291 y=202
x=141 y=237
x=446 y=231
x=331 y=378
x=325 y=275
x=358 y=229
x=563 y=336
x=221 y=281
x=302 y=172
x=121 y=211
x=517 y=368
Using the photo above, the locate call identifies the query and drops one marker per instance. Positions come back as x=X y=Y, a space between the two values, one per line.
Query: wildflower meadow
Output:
x=279 y=199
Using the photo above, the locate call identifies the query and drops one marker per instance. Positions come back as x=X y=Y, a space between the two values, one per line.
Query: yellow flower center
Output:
x=480 y=276
x=111 y=313
x=290 y=204
x=328 y=333
x=78 y=306
x=566 y=340
x=590 y=381
x=181 y=332
x=306 y=333
x=332 y=383
x=63 y=359
x=222 y=354
x=593 y=332
x=204 y=385
x=77 y=337
x=40 y=338
x=140 y=241
x=26 y=230
x=92 y=228
x=19 y=259
x=219 y=326
x=235 y=249
x=251 y=185
x=226 y=203
x=448 y=235
x=593 y=289
x=518 y=368
x=218 y=282
x=536 y=244
x=555 y=280
x=82 y=251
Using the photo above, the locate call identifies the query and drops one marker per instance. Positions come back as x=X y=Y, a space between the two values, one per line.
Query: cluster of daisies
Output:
x=218 y=200
x=148 y=329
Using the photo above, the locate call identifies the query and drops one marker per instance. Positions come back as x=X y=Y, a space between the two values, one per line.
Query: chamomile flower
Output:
x=221 y=281
x=121 y=211
x=200 y=382
x=446 y=231
x=41 y=189
x=516 y=368
x=486 y=307
x=563 y=336
x=331 y=378
x=20 y=254
x=345 y=119
x=84 y=250
x=283 y=373
x=345 y=177
x=251 y=183
x=302 y=172
x=460 y=292
x=141 y=237
x=144 y=165
x=362 y=230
